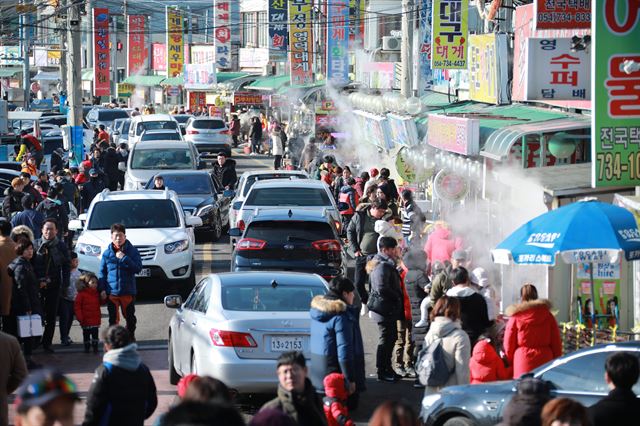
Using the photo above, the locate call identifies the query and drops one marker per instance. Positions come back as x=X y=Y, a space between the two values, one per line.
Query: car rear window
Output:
x=166 y=136
x=208 y=124
x=155 y=125
x=170 y=158
x=134 y=214
x=281 y=298
x=255 y=178
x=111 y=114
x=288 y=230
x=188 y=184
x=287 y=196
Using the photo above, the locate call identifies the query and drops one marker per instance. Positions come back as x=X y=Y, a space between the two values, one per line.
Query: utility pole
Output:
x=89 y=32
x=63 y=29
x=25 y=41
x=74 y=65
x=406 y=49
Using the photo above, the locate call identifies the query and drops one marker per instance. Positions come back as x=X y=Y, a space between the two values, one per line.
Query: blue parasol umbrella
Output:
x=587 y=231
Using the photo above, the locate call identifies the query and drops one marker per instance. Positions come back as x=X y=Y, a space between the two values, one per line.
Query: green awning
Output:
x=173 y=81
x=435 y=99
x=272 y=83
x=285 y=89
x=87 y=74
x=9 y=71
x=145 y=80
x=226 y=76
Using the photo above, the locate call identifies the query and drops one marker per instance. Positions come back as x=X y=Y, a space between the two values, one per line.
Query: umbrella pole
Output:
x=593 y=297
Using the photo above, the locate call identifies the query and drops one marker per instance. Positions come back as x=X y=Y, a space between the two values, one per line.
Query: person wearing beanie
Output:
x=373 y=179
x=334 y=403
x=46 y=397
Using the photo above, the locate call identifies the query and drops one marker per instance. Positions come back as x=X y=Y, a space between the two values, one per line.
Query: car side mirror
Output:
x=115 y=133
x=235 y=232
x=237 y=205
x=229 y=193
x=193 y=220
x=75 y=225
x=173 y=301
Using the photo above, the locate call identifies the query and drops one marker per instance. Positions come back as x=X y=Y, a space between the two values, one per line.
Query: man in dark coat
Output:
x=111 y=160
x=225 y=171
x=474 y=314
x=90 y=189
x=621 y=406
x=53 y=207
x=29 y=217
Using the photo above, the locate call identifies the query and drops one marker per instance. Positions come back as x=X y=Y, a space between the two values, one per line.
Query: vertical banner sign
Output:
x=563 y=14
x=425 y=75
x=222 y=33
x=175 y=46
x=278 y=34
x=338 y=42
x=135 y=43
x=615 y=127
x=301 y=41
x=450 y=33
x=101 y=52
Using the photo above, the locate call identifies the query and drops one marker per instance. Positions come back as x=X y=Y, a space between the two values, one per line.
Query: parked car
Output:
x=577 y=375
x=156 y=226
x=182 y=121
x=140 y=123
x=161 y=135
x=120 y=132
x=153 y=157
x=200 y=195
x=210 y=135
x=250 y=177
x=290 y=240
x=233 y=327
x=105 y=116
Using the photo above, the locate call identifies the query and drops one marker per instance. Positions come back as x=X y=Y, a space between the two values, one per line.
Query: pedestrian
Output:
x=46 y=397
x=29 y=217
x=348 y=200
x=445 y=325
x=360 y=181
x=110 y=163
x=29 y=144
x=335 y=401
x=532 y=337
x=29 y=166
x=473 y=306
x=485 y=364
x=271 y=417
x=70 y=193
x=417 y=280
x=123 y=156
x=224 y=170
x=369 y=197
x=87 y=310
x=13 y=370
x=122 y=391
x=404 y=348
x=53 y=207
x=441 y=243
x=202 y=413
x=277 y=146
x=394 y=413
x=67 y=301
x=373 y=179
x=296 y=395
x=57 y=160
x=479 y=278
x=255 y=135
x=12 y=203
x=43 y=181
x=388 y=185
x=385 y=304
x=442 y=282
x=363 y=242
x=117 y=277
x=524 y=408
x=103 y=136
x=326 y=168
x=565 y=412
x=234 y=129
x=158 y=183
x=30 y=188
x=91 y=188
x=412 y=218
x=52 y=266
x=7 y=254
x=621 y=406
x=341 y=180
x=336 y=340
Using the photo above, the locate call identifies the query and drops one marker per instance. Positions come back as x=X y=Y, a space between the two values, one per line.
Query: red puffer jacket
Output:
x=406 y=302
x=334 y=404
x=87 y=307
x=486 y=365
x=532 y=337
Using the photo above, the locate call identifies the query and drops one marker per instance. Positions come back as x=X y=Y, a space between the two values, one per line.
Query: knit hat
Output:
x=373 y=172
x=479 y=277
x=43 y=386
x=184 y=382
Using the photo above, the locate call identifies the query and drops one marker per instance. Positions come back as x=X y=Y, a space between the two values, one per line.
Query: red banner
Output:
x=563 y=14
x=101 y=52
x=136 y=56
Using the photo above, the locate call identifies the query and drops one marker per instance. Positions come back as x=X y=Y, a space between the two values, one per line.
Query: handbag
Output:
x=29 y=325
x=377 y=304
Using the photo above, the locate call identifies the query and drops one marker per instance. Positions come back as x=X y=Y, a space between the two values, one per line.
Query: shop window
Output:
x=263 y=29
x=249 y=27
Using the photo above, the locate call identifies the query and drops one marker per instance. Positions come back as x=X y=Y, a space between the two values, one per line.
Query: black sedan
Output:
x=578 y=375
x=200 y=195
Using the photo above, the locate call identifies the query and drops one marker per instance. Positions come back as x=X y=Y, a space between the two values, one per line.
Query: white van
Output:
x=140 y=123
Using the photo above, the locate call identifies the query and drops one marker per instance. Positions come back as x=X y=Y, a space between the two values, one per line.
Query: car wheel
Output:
x=459 y=421
x=174 y=377
x=217 y=228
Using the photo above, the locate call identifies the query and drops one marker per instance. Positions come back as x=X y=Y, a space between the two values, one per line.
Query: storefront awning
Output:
x=302 y=87
x=226 y=76
x=173 y=81
x=9 y=71
x=271 y=83
x=46 y=76
x=87 y=74
x=436 y=100
x=145 y=80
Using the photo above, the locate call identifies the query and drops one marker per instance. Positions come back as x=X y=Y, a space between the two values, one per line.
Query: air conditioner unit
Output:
x=391 y=43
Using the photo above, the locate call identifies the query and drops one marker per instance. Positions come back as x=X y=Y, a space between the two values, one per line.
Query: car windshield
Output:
x=280 y=298
x=208 y=124
x=191 y=184
x=164 y=136
x=156 y=125
x=288 y=230
x=288 y=196
x=111 y=114
x=255 y=178
x=134 y=214
x=169 y=158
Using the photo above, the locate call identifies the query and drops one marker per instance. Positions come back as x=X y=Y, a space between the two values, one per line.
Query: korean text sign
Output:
x=558 y=72
x=222 y=33
x=200 y=76
x=301 y=41
x=101 y=54
x=454 y=134
x=278 y=31
x=558 y=14
x=175 y=48
x=615 y=128
x=159 y=56
x=488 y=73
x=338 y=41
x=136 y=54
x=449 y=34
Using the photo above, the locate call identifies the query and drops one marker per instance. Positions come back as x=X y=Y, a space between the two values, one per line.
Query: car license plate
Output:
x=144 y=273
x=286 y=343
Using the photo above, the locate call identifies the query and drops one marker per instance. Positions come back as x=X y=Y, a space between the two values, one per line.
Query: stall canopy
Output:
x=271 y=83
x=9 y=71
x=436 y=100
x=87 y=74
x=302 y=87
x=173 y=81
x=145 y=80
x=46 y=76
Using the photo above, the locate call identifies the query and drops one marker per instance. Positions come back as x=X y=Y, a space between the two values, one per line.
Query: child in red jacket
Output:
x=87 y=310
x=486 y=365
x=335 y=401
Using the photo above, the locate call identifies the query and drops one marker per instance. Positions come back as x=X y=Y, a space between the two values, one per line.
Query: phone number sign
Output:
x=616 y=117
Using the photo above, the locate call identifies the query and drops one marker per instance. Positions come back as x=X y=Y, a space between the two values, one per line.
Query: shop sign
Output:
x=450 y=186
x=253 y=57
x=101 y=53
x=450 y=34
x=380 y=75
x=338 y=42
x=125 y=90
x=424 y=73
x=488 y=68
x=247 y=98
x=197 y=99
x=454 y=134
x=331 y=121
x=524 y=28
x=135 y=44
x=557 y=14
x=10 y=55
x=301 y=41
x=615 y=122
x=159 y=56
x=175 y=48
x=278 y=31
x=375 y=129
x=203 y=54
x=559 y=73
x=278 y=101
x=402 y=130
x=222 y=33
x=200 y=76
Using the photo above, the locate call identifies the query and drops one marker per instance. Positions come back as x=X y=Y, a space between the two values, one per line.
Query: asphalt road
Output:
x=153 y=320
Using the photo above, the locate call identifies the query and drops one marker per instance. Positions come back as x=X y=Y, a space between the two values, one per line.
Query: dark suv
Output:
x=290 y=240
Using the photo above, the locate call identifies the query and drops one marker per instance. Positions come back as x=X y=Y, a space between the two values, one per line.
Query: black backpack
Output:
x=431 y=365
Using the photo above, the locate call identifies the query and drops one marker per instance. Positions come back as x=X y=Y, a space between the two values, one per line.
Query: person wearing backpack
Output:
x=445 y=331
x=29 y=144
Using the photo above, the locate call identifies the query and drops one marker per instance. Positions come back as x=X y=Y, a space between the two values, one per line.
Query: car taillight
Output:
x=241 y=225
x=326 y=245
x=233 y=339
x=338 y=225
x=250 y=244
x=192 y=132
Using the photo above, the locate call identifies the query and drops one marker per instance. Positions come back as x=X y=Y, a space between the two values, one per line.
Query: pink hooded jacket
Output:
x=441 y=244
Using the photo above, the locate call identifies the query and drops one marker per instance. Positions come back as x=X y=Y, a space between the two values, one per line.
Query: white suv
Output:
x=156 y=226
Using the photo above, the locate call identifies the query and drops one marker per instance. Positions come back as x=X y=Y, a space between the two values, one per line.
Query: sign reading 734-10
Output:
x=615 y=129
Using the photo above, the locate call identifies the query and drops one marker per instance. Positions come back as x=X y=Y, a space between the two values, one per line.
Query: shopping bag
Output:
x=36 y=325
x=29 y=325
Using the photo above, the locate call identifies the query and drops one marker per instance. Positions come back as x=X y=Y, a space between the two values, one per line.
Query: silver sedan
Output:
x=233 y=326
